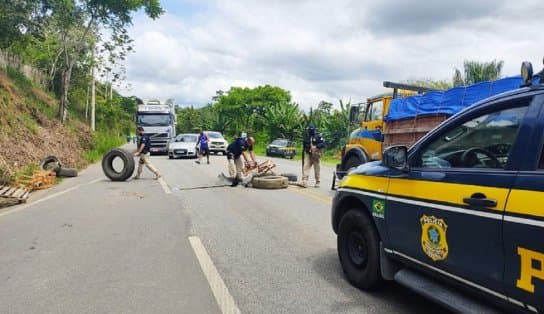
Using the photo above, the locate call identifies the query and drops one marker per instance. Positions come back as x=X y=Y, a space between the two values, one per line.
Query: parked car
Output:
x=217 y=143
x=457 y=217
x=281 y=147
x=183 y=145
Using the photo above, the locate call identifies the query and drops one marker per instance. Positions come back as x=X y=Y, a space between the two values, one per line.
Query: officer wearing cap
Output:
x=313 y=144
x=235 y=151
x=144 y=146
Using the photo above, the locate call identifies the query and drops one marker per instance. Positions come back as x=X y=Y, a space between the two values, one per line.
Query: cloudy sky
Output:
x=321 y=49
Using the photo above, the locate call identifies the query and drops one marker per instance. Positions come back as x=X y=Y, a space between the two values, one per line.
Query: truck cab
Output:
x=457 y=217
x=366 y=142
x=159 y=123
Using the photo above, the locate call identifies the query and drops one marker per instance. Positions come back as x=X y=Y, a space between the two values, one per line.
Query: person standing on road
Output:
x=313 y=144
x=144 y=146
x=240 y=147
x=204 y=148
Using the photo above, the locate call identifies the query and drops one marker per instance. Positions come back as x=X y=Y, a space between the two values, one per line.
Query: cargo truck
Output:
x=159 y=122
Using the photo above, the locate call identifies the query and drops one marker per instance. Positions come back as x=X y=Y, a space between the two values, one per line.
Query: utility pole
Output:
x=93 y=95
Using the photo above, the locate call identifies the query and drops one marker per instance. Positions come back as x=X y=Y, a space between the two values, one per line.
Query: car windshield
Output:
x=280 y=142
x=215 y=135
x=186 y=138
x=154 y=119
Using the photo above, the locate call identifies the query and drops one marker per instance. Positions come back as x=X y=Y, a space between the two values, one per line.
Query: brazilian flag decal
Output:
x=378 y=208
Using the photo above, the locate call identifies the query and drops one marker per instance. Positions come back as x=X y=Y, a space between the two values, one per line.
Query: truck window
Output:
x=541 y=162
x=374 y=111
x=483 y=142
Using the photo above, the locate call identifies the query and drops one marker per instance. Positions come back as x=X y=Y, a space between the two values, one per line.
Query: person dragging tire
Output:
x=313 y=144
x=235 y=151
x=144 y=146
x=204 y=149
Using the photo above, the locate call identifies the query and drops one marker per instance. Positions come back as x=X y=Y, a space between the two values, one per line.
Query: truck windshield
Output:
x=154 y=119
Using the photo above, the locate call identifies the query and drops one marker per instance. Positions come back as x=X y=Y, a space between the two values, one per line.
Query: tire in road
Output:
x=359 y=249
x=128 y=164
x=291 y=177
x=270 y=182
x=50 y=163
x=66 y=172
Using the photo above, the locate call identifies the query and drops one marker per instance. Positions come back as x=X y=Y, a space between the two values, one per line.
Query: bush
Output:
x=102 y=142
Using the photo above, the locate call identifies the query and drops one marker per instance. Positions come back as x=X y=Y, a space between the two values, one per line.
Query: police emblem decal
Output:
x=378 y=208
x=433 y=237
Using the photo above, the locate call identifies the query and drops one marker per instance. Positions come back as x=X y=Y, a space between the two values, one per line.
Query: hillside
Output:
x=30 y=130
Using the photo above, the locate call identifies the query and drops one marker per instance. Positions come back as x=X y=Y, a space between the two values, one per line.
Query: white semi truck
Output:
x=159 y=122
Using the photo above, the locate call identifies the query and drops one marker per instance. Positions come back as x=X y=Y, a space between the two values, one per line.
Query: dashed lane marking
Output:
x=164 y=186
x=219 y=289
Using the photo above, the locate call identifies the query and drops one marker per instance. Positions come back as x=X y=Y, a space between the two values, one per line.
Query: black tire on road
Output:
x=50 y=163
x=67 y=172
x=128 y=164
x=270 y=182
x=358 y=246
x=291 y=177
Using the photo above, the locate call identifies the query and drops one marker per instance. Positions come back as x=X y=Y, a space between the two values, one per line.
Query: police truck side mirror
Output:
x=354 y=114
x=396 y=157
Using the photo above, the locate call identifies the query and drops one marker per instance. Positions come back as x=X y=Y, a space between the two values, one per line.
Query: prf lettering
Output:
x=528 y=272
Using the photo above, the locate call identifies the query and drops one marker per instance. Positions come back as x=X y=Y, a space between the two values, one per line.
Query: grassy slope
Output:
x=30 y=130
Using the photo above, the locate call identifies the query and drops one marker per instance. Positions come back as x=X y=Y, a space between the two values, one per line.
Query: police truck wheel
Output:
x=270 y=182
x=359 y=250
x=128 y=164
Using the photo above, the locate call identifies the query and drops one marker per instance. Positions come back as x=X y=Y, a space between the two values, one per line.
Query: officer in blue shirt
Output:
x=240 y=147
x=144 y=146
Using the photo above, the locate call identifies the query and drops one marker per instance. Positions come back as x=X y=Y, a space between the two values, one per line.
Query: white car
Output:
x=216 y=142
x=184 y=145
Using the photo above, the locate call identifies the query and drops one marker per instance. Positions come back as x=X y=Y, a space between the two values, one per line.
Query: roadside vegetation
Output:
x=47 y=51
x=268 y=112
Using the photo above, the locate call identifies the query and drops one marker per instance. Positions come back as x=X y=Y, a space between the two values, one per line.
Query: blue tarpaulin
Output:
x=450 y=101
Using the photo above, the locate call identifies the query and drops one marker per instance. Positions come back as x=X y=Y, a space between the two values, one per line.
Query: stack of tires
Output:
x=52 y=163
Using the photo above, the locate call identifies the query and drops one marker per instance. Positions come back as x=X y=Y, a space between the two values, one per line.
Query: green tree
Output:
x=474 y=72
x=430 y=83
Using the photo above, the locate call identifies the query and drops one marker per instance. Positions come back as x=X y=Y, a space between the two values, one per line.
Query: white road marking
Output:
x=221 y=293
x=164 y=186
x=19 y=208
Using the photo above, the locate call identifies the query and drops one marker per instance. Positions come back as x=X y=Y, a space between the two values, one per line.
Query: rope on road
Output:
x=203 y=187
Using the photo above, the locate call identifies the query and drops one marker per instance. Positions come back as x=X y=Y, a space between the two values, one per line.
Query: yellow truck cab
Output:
x=366 y=142
x=459 y=216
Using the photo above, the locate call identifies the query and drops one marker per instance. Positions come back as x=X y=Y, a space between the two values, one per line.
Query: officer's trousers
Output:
x=311 y=159
x=144 y=160
x=236 y=166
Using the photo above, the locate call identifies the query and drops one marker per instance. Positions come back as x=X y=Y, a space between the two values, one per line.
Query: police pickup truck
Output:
x=458 y=217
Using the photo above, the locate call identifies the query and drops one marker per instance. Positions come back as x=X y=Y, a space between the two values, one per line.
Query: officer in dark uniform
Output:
x=144 y=146
x=313 y=144
x=240 y=147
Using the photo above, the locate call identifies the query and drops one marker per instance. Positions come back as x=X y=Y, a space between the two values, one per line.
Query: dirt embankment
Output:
x=29 y=131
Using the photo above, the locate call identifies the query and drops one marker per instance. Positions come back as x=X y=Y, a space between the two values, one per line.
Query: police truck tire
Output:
x=270 y=182
x=291 y=177
x=128 y=164
x=67 y=172
x=358 y=246
x=50 y=163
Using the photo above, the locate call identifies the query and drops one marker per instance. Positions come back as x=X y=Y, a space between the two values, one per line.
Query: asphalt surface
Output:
x=103 y=246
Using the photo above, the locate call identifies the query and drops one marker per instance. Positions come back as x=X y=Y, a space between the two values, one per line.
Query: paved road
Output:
x=123 y=247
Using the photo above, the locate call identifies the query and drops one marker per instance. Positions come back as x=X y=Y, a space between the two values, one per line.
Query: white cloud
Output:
x=324 y=50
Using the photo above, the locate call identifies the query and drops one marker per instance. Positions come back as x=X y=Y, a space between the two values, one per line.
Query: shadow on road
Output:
x=392 y=296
